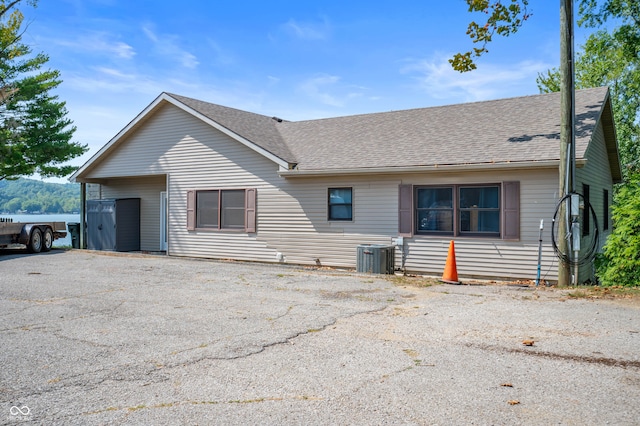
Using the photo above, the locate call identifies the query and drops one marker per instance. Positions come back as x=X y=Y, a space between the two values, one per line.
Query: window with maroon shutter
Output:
x=191 y=210
x=478 y=210
x=405 y=210
x=222 y=209
x=511 y=210
x=250 y=210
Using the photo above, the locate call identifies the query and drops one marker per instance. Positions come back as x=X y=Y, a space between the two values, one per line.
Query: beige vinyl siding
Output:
x=195 y=156
x=148 y=189
x=292 y=212
x=597 y=174
x=302 y=232
x=293 y=220
x=203 y=158
x=493 y=257
x=144 y=152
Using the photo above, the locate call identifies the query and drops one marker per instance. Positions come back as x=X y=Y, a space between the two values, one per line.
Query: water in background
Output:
x=66 y=241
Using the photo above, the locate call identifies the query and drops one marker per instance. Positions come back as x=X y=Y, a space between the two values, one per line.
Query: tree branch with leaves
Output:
x=503 y=19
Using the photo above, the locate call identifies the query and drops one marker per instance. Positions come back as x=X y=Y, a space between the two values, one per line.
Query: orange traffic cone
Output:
x=450 y=274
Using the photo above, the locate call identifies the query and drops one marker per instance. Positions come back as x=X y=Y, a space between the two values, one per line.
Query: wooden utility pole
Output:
x=567 y=135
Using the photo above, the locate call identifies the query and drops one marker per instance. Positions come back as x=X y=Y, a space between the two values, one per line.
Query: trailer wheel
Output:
x=47 y=239
x=35 y=242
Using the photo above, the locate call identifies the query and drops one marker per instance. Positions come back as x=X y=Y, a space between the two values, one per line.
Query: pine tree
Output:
x=35 y=134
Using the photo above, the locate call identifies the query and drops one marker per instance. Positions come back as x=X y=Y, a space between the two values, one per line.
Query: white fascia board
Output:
x=522 y=165
x=118 y=136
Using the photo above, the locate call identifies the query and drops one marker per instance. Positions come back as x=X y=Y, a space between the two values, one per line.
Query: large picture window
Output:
x=461 y=210
x=340 y=204
x=222 y=209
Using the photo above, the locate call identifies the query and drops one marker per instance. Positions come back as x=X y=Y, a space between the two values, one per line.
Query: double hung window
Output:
x=221 y=209
x=340 y=204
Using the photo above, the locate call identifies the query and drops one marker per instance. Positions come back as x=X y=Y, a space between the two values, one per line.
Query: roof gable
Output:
x=229 y=121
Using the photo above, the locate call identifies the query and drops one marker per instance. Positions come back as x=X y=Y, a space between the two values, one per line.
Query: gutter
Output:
x=436 y=168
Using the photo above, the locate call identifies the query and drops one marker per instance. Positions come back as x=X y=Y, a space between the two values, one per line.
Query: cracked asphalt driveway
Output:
x=104 y=338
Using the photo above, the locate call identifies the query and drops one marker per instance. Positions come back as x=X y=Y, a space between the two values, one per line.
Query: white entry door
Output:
x=163 y=220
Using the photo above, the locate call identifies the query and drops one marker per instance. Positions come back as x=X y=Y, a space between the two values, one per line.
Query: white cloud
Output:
x=317 y=88
x=109 y=80
x=114 y=73
x=307 y=30
x=149 y=33
x=436 y=78
x=123 y=50
x=98 y=43
x=218 y=54
x=329 y=90
x=169 y=45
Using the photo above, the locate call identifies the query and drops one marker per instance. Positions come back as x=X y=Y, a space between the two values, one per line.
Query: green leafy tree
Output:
x=35 y=134
x=620 y=260
x=13 y=205
x=612 y=58
x=31 y=206
x=49 y=197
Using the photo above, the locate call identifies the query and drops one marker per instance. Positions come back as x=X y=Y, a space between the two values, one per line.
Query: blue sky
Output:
x=292 y=59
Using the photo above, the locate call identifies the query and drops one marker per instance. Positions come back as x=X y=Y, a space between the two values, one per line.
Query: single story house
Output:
x=218 y=182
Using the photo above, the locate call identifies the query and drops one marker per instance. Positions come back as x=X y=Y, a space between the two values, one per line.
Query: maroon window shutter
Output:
x=511 y=210
x=191 y=210
x=405 y=210
x=250 y=210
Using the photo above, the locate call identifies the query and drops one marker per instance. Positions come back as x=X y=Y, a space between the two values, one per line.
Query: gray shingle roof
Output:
x=507 y=130
x=258 y=129
x=518 y=129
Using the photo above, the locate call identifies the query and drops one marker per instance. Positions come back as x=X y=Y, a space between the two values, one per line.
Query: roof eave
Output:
x=435 y=168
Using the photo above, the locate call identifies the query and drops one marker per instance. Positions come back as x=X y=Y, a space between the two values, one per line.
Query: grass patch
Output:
x=614 y=292
x=413 y=281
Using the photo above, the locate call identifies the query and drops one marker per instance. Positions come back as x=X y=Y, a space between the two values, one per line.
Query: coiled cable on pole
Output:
x=587 y=254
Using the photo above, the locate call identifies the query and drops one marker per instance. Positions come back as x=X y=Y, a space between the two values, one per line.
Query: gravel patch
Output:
x=93 y=338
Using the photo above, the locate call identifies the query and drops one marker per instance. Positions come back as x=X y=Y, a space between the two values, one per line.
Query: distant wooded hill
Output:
x=34 y=196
